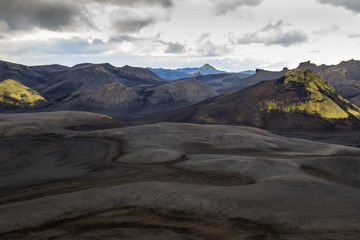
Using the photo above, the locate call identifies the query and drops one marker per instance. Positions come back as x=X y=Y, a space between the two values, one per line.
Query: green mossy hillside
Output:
x=320 y=97
x=13 y=93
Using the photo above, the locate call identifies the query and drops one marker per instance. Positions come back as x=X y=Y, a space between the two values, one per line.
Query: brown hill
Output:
x=300 y=100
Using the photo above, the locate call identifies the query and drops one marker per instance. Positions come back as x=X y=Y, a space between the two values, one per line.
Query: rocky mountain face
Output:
x=344 y=77
x=300 y=100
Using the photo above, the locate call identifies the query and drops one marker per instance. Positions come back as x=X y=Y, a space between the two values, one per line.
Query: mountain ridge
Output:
x=299 y=100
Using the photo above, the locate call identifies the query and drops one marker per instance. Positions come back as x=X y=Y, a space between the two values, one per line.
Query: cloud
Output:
x=132 y=25
x=326 y=30
x=47 y=14
x=351 y=5
x=55 y=15
x=175 y=48
x=225 y=6
x=163 y=3
x=55 y=46
x=273 y=34
x=73 y=46
x=353 y=35
x=210 y=49
x=287 y=39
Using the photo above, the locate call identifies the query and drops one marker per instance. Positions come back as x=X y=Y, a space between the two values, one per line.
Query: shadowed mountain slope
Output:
x=49 y=71
x=218 y=81
x=78 y=78
x=134 y=75
x=119 y=101
x=301 y=100
x=178 y=94
x=20 y=73
x=241 y=83
x=89 y=76
x=110 y=97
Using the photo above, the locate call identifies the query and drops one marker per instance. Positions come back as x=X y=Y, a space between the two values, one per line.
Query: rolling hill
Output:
x=178 y=94
x=14 y=95
x=117 y=100
x=89 y=76
x=300 y=100
x=112 y=98
x=20 y=73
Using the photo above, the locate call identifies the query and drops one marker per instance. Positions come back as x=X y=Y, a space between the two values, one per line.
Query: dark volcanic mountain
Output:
x=261 y=75
x=178 y=94
x=20 y=73
x=89 y=76
x=78 y=78
x=119 y=101
x=110 y=98
x=134 y=75
x=344 y=77
x=49 y=71
x=300 y=100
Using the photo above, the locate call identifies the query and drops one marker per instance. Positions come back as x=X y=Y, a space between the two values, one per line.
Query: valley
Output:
x=96 y=151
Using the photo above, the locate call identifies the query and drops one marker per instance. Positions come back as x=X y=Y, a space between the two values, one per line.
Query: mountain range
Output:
x=261 y=99
x=300 y=100
x=179 y=73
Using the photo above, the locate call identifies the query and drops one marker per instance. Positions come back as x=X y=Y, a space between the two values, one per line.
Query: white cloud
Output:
x=274 y=34
x=225 y=6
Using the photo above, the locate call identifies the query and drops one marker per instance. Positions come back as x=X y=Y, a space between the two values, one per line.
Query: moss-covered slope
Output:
x=316 y=97
x=300 y=100
x=15 y=94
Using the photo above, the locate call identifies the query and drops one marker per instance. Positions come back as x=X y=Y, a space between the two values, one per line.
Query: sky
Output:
x=231 y=35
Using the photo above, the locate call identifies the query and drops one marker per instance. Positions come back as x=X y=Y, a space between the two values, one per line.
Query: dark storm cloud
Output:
x=225 y=6
x=175 y=48
x=132 y=25
x=58 y=15
x=352 y=5
x=273 y=34
x=46 y=14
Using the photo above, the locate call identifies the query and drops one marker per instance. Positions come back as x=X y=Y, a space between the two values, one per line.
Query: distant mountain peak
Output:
x=208 y=67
